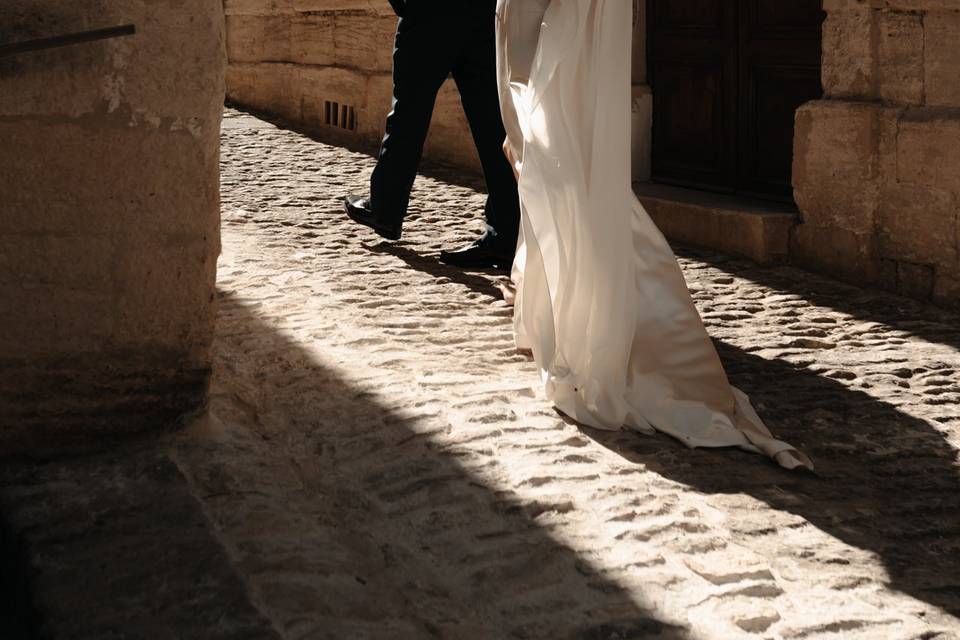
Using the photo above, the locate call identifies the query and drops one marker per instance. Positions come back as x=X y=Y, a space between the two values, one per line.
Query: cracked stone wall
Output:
x=109 y=217
x=877 y=162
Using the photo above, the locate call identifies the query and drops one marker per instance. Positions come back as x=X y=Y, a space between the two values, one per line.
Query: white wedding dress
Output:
x=600 y=299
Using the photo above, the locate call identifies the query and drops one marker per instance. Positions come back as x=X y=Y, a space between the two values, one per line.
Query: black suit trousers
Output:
x=428 y=50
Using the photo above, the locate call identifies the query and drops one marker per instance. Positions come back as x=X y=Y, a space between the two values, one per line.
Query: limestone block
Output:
x=374 y=7
x=911 y=5
x=946 y=290
x=919 y=225
x=849 y=51
x=364 y=41
x=83 y=262
x=912 y=279
x=942 y=33
x=928 y=148
x=258 y=7
x=263 y=86
x=838 y=252
x=730 y=225
x=312 y=87
x=110 y=216
x=162 y=277
x=889 y=132
x=836 y=164
x=258 y=38
x=378 y=105
x=124 y=77
x=312 y=39
x=901 y=57
x=86 y=320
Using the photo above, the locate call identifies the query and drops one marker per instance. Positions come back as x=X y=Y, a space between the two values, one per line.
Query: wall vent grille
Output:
x=342 y=116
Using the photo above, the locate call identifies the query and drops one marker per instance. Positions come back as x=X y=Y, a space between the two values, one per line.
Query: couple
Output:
x=600 y=299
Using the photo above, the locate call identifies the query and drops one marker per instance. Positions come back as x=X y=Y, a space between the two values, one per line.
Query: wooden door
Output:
x=727 y=78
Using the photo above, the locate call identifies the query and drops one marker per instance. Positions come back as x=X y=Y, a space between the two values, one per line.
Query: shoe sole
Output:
x=389 y=235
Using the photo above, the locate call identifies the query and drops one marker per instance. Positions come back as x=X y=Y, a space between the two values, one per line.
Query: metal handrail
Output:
x=66 y=40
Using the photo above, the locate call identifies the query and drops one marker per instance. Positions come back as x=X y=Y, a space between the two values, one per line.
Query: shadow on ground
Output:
x=887 y=482
x=482 y=284
x=913 y=317
x=345 y=517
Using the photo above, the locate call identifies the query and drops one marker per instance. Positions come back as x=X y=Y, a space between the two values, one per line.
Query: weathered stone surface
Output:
x=849 y=52
x=311 y=39
x=942 y=57
x=116 y=546
x=919 y=224
x=901 y=57
x=928 y=148
x=848 y=255
x=878 y=191
x=263 y=38
x=354 y=39
x=836 y=164
x=109 y=216
x=759 y=231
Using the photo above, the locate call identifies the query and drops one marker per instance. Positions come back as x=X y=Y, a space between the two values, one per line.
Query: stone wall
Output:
x=109 y=217
x=877 y=162
x=876 y=166
x=303 y=60
x=309 y=61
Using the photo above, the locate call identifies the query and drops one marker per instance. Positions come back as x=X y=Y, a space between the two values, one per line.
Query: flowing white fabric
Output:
x=600 y=299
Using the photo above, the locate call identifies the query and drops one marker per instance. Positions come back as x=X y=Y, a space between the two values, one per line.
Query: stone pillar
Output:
x=877 y=162
x=109 y=218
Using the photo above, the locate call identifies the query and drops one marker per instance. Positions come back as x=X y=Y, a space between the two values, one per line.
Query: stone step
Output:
x=736 y=225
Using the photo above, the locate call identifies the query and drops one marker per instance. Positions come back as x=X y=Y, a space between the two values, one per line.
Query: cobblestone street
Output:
x=379 y=461
x=408 y=475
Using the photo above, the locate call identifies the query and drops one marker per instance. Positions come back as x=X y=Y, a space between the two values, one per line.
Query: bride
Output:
x=600 y=299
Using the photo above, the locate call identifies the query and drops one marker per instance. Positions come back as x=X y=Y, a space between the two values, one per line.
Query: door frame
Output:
x=644 y=103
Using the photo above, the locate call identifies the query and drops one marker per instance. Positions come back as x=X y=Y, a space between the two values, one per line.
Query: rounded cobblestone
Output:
x=380 y=463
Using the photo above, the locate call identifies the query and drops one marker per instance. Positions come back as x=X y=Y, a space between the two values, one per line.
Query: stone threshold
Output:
x=741 y=226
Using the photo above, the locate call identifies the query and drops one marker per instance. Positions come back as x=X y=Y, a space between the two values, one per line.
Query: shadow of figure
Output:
x=886 y=482
x=345 y=517
x=485 y=285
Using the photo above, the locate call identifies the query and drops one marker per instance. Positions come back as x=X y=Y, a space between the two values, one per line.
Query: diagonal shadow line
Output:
x=484 y=285
x=464 y=559
x=913 y=317
x=887 y=482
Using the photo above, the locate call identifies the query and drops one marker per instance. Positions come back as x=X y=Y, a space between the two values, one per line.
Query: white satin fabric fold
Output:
x=601 y=301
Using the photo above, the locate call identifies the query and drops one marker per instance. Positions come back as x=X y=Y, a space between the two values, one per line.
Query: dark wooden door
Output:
x=727 y=78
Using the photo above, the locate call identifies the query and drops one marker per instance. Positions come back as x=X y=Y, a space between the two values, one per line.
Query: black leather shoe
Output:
x=477 y=256
x=358 y=209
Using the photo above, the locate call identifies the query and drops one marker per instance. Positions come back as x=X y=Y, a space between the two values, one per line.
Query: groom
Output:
x=437 y=38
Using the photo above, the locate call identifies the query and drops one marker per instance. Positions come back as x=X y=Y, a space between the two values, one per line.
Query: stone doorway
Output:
x=727 y=78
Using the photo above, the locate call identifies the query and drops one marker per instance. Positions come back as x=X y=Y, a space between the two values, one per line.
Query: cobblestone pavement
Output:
x=379 y=462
